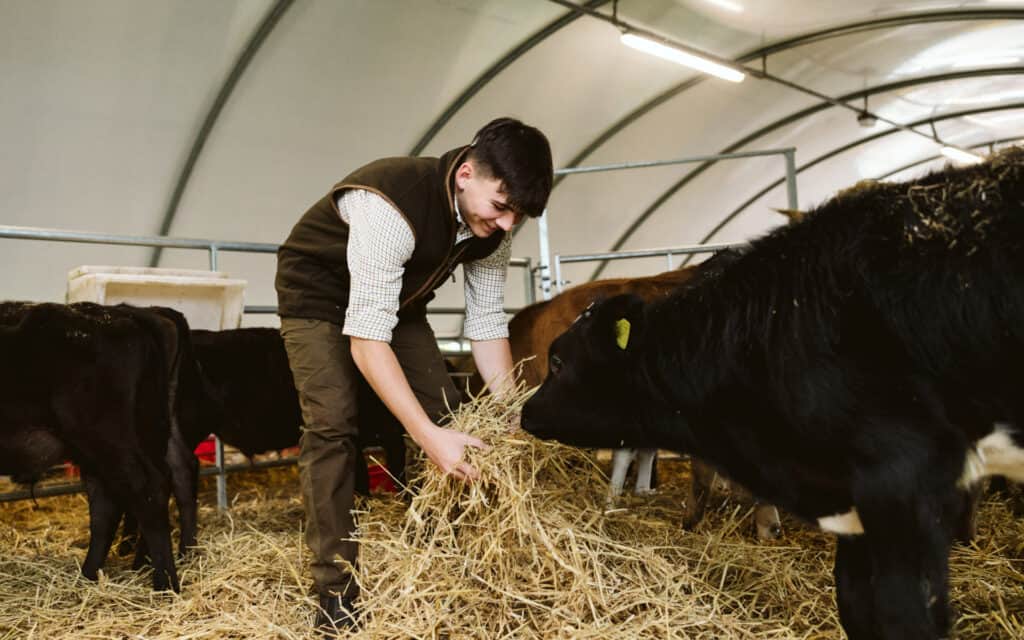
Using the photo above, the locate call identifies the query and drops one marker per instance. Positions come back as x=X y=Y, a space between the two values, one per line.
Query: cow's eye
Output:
x=556 y=364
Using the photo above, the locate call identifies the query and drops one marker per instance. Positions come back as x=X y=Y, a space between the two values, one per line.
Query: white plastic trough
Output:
x=208 y=299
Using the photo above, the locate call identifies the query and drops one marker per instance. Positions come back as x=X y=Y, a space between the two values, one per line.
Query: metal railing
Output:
x=668 y=252
x=213 y=248
x=789 y=159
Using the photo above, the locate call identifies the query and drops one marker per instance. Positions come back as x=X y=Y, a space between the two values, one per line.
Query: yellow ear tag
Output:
x=622 y=332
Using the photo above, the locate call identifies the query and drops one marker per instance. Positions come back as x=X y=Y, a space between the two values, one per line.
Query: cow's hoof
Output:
x=164 y=580
x=772 y=532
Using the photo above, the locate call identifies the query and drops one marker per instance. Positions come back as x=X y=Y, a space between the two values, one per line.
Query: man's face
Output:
x=483 y=202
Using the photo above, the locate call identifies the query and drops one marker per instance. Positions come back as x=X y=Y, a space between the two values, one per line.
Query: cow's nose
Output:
x=526 y=421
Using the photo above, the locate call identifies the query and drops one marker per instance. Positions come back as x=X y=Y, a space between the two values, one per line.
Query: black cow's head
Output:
x=588 y=398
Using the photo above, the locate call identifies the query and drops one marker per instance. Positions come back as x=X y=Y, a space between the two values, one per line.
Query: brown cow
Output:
x=532 y=330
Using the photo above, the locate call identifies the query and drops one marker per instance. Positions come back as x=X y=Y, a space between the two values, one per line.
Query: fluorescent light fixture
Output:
x=735 y=7
x=959 y=155
x=681 y=57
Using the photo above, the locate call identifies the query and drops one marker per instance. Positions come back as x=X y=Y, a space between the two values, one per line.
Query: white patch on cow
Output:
x=998 y=456
x=994 y=455
x=974 y=469
x=844 y=523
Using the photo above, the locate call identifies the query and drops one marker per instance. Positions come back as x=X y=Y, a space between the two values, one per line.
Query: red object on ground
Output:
x=380 y=480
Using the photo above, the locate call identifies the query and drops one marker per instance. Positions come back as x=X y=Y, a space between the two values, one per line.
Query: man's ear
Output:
x=463 y=173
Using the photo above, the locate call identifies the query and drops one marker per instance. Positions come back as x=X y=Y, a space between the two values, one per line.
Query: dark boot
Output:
x=336 y=614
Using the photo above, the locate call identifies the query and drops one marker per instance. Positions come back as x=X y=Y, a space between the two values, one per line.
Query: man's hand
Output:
x=445 y=448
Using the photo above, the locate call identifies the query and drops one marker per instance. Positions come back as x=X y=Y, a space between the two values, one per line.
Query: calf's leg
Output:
x=185 y=484
x=701 y=484
x=621 y=458
x=645 y=459
x=854 y=591
x=766 y=521
x=148 y=501
x=907 y=533
x=104 y=516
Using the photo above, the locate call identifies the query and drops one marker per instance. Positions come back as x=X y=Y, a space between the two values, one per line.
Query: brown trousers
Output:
x=328 y=384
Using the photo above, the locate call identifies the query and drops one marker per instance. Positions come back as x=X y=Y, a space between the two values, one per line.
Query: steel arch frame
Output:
x=788 y=120
x=792 y=43
x=280 y=7
x=256 y=40
x=988 y=143
x=846 y=147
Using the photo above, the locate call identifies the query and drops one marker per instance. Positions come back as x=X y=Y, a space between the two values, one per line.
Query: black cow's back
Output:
x=248 y=377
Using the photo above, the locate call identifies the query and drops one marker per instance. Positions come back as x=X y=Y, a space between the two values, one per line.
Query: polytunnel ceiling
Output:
x=297 y=93
x=780 y=19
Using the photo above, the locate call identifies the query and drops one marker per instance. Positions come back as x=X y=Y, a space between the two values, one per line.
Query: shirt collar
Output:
x=458 y=214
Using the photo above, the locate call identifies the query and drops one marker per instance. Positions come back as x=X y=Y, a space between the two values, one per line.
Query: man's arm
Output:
x=444 y=447
x=486 y=323
x=493 y=360
x=380 y=242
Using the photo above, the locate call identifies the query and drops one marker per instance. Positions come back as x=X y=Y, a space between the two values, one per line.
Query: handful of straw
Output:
x=529 y=552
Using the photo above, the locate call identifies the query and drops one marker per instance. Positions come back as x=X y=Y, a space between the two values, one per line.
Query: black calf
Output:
x=90 y=383
x=252 y=404
x=848 y=368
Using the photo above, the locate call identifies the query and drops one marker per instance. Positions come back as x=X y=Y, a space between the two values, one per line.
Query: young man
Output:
x=353 y=281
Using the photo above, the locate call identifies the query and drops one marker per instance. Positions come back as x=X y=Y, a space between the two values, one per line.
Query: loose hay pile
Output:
x=245 y=580
x=528 y=553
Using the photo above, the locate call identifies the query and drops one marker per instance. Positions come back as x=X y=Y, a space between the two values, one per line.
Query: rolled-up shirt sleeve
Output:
x=485 y=294
x=380 y=242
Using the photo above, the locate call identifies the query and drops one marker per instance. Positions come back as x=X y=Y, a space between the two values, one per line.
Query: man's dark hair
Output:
x=520 y=156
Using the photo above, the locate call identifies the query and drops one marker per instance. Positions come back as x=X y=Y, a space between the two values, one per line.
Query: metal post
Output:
x=558 y=273
x=213 y=257
x=222 y=478
x=668 y=258
x=790 y=156
x=218 y=446
x=545 y=256
x=529 y=282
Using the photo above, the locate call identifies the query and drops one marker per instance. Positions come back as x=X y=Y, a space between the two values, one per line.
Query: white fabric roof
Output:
x=102 y=103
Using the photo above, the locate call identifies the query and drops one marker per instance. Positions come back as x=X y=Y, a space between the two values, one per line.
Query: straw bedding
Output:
x=529 y=552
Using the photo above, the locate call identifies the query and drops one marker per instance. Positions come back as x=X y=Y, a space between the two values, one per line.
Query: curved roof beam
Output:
x=257 y=39
x=846 y=147
x=784 y=45
x=496 y=68
x=980 y=145
x=790 y=119
x=792 y=43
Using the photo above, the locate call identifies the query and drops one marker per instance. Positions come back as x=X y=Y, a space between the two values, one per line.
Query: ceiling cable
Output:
x=671 y=49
